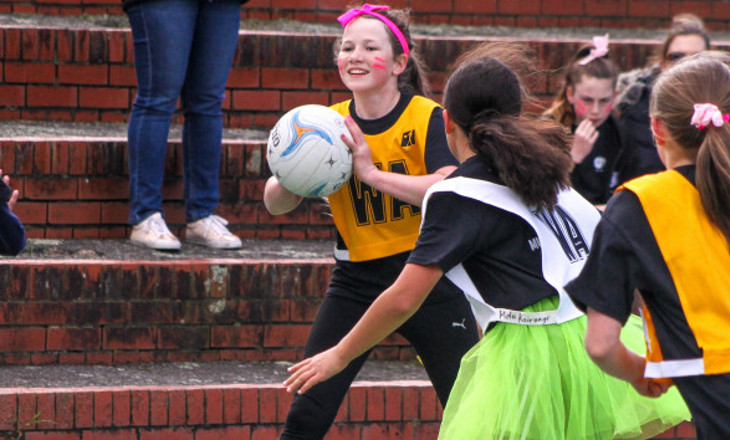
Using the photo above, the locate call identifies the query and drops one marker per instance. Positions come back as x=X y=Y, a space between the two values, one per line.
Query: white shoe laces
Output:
x=158 y=226
x=216 y=224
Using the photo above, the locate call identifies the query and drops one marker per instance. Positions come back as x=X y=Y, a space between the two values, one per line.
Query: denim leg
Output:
x=214 y=46
x=162 y=32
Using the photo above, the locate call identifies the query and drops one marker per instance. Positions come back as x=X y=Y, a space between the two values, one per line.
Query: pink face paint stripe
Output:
x=379 y=66
x=378 y=59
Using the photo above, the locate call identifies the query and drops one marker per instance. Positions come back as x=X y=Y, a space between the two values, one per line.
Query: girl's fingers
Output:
x=357 y=134
x=13 y=198
x=300 y=381
x=593 y=136
x=298 y=365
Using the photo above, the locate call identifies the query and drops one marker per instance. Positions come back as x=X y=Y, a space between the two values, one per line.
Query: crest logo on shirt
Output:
x=599 y=163
x=409 y=138
x=567 y=232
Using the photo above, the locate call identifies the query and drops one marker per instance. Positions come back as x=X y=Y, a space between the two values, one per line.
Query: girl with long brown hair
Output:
x=668 y=235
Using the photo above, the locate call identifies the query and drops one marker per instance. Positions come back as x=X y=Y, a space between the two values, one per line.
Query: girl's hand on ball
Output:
x=362 y=159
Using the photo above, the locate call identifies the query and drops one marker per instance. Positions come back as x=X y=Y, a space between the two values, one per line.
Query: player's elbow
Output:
x=277 y=200
x=599 y=348
x=403 y=306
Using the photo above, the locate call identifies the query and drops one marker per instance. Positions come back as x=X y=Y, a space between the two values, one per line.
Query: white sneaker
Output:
x=152 y=232
x=211 y=231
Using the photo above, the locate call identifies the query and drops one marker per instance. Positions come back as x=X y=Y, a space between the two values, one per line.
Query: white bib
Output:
x=562 y=259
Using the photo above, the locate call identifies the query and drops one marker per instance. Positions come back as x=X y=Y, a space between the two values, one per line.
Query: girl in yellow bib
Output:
x=667 y=235
x=399 y=150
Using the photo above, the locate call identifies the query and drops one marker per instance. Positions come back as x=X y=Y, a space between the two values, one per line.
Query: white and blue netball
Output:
x=306 y=153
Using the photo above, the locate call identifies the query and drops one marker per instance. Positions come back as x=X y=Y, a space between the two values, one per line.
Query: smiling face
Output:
x=592 y=98
x=365 y=59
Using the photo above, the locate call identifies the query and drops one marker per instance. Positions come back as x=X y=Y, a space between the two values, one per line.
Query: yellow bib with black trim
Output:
x=698 y=257
x=373 y=224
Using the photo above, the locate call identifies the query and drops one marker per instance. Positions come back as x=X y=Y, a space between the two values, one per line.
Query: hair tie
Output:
x=368 y=9
x=599 y=50
x=707 y=113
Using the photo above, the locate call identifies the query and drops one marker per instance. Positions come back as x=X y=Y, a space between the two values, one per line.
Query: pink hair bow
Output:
x=369 y=9
x=706 y=114
x=600 y=49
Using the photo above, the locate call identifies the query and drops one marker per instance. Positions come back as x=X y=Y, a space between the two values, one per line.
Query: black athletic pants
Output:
x=708 y=399
x=440 y=332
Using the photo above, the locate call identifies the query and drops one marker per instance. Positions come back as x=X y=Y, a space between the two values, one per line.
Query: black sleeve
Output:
x=452 y=230
x=609 y=277
x=12 y=232
x=437 y=150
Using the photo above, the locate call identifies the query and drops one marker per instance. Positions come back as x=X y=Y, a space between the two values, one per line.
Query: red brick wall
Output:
x=371 y=411
x=77 y=75
x=88 y=75
x=524 y=13
x=407 y=410
x=79 y=189
x=116 y=312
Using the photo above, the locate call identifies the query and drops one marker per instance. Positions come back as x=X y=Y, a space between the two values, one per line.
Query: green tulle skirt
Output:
x=538 y=383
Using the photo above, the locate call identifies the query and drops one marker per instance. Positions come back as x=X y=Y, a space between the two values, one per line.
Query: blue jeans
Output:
x=182 y=48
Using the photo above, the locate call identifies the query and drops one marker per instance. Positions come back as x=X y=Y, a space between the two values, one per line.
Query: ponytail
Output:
x=699 y=79
x=531 y=156
x=484 y=96
x=713 y=176
x=413 y=79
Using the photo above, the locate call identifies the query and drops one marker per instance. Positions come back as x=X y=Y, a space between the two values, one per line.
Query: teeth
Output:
x=358 y=71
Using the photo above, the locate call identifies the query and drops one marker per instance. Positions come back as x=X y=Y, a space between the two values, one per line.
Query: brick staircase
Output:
x=76 y=297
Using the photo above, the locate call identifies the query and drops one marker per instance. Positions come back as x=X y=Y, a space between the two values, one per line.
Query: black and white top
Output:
x=500 y=244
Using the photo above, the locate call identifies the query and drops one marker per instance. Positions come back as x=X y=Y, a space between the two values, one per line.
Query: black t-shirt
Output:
x=625 y=256
x=493 y=244
x=592 y=178
x=641 y=155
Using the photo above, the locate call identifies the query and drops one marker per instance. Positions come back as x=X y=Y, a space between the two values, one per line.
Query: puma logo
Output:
x=459 y=324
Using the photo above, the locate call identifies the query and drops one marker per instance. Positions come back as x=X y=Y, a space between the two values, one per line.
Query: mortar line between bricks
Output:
x=82 y=261
x=65 y=138
x=169 y=388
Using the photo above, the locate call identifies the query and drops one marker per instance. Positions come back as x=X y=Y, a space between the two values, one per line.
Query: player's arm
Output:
x=279 y=200
x=410 y=189
x=392 y=308
x=606 y=349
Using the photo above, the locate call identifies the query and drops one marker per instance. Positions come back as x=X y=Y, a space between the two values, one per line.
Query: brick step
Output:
x=190 y=402
x=109 y=302
x=74 y=183
x=201 y=401
x=84 y=73
x=526 y=13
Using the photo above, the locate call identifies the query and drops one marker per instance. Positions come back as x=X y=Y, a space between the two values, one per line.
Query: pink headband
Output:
x=708 y=113
x=368 y=9
x=600 y=49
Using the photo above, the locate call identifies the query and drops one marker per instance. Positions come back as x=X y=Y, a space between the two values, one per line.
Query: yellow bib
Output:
x=698 y=258
x=371 y=223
